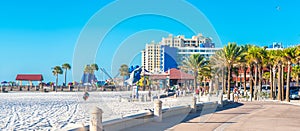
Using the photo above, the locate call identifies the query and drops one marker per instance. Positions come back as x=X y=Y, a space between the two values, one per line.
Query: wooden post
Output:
x=96 y=119
x=158 y=110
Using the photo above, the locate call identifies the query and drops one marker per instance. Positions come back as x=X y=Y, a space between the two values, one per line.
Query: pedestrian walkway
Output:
x=256 y=115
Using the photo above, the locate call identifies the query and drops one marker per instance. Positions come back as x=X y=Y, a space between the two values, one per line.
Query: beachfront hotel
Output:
x=171 y=50
x=158 y=57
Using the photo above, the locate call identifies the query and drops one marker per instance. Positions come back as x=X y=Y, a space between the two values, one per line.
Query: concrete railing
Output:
x=129 y=121
x=148 y=116
x=168 y=112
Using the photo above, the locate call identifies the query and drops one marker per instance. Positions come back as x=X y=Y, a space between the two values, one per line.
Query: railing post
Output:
x=157 y=110
x=232 y=97
x=96 y=119
x=151 y=98
x=193 y=105
x=120 y=99
x=220 y=100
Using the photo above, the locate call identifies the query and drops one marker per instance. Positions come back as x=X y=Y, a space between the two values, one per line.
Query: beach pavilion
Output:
x=173 y=77
x=29 y=78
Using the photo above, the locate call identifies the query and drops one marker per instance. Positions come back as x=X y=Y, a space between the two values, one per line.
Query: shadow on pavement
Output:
x=211 y=122
x=182 y=118
x=199 y=113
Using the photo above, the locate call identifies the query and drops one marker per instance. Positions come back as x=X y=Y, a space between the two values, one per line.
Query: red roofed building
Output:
x=173 y=77
x=29 y=77
x=176 y=74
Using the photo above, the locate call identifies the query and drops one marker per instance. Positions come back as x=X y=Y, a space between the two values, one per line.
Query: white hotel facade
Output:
x=156 y=56
x=187 y=46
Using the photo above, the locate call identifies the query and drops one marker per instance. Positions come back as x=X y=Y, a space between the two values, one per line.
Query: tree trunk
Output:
x=216 y=86
x=195 y=81
x=65 y=77
x=228 y=82
x=260 y=72
x=282 y=82
x=287 y=96
x=274 y=82
x=297 y=79
x=223 y=81
x=279 y=82
x=271 y=83
x=251 y=83
x=255 y=82
x=245 y=71
x=56 y=83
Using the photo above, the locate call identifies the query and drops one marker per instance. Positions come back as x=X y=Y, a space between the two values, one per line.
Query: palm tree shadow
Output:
x=200 y=113
x=167 y=123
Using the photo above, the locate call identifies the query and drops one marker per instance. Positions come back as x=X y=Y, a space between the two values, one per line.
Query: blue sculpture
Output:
x=88 y=78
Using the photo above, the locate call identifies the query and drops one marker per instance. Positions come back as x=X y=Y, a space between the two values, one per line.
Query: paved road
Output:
x=243 y=116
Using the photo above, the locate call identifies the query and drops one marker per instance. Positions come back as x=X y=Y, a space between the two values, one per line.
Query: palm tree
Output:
x=243 y=64
x=272 y=67
x=90 y=69
x=279 y=63
x=262 y=64
x=217 y=63
x=124 y=72
x=235 y=71
x=232 y=55
x=266 y=76
x=291 y=55
x=194 y=63
x=87 y=69
x=254 y=57
x=94 y=68
x=204 y=73
x=56 y=71
x=67 y=67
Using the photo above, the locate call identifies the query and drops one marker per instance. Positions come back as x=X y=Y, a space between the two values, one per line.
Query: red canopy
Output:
x=29 y=77
x=175 y=74
x=179 y=75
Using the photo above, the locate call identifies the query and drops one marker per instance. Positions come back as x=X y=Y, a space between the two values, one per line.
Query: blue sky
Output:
x=37 y=35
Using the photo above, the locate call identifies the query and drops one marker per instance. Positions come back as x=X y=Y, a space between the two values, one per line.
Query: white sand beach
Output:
x=52 y=111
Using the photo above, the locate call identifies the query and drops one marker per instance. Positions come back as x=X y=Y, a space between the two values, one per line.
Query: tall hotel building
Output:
x=159 y=57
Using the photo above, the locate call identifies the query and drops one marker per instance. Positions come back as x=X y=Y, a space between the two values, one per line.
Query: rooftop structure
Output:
x=181 y=41
x=275 y=46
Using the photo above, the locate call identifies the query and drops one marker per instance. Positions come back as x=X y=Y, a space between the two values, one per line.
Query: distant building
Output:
x=159 y=58
x=29 y=78
x=181 y=41
x=167 y=54
x=275 y=46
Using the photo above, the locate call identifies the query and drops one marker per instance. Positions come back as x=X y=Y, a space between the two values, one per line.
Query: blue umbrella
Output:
x=4 y=82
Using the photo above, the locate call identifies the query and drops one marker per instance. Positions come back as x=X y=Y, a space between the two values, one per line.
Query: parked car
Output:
x=294 y=93
x=265 y=88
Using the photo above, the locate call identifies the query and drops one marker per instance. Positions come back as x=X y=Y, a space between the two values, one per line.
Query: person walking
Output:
x=236 y=94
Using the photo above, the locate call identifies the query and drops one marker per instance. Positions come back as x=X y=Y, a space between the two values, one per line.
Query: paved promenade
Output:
x=254 y=116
